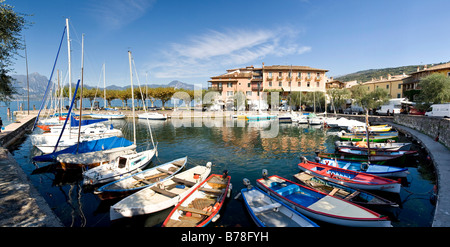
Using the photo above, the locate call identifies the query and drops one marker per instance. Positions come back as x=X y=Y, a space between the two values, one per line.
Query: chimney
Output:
x=389 y=76
x=381 y=78
x=425 y=67
x=418 y=68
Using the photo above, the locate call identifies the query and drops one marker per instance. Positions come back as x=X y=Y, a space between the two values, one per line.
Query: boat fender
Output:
x=364 y=166
x=209 y=164
x=317 y=159
x=265 y=173
x=215 y=218
x=180 y=186
x=229 y=190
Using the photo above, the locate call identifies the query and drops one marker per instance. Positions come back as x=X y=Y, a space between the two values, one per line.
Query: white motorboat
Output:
x=152 y=116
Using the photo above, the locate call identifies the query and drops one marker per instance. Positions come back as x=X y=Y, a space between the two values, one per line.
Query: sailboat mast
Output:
x=81 y=91
x=132 y=98
x=69 y=58
x=104 y=86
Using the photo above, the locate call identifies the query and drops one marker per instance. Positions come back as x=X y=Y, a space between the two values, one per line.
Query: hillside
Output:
x=367 y=75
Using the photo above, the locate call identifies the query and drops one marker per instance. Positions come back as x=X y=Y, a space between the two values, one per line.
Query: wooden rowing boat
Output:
x=380 y=160
x=377 y=170
x=393 y=146
x=353 y=179
x=373 y=152
x=202 y=205
x=268 y=211
x=347 y=193
x=321 y=206
x=162 y=195
x=133 y=183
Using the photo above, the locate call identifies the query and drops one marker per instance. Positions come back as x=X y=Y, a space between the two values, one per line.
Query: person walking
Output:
x=1 y=124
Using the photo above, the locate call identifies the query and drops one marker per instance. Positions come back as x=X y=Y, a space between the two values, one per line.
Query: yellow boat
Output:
x=375 y=128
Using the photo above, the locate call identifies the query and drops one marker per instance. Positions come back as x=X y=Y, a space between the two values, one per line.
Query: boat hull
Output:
x=266 y=215
x=181 y=217
x=321 y=210
x=377 y=170
x=350 y=178
x=147 y=201
x=130 y=184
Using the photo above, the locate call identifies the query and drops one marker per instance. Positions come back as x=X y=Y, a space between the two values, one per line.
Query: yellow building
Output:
x=393 y=84
x=411 y=85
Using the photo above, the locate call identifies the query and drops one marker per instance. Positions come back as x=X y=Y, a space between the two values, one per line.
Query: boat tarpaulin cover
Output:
x=86 y=147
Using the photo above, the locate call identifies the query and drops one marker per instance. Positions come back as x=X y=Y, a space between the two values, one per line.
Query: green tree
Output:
x=164 y=94
x=11 y=24
x=124 y=95
x=339 y=97
x=435 y=89
x=369 y=100
x=111 y=95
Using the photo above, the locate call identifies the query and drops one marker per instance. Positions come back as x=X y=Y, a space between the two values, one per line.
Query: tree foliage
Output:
x=164 y=94
x=369 y=100
x=435 y=89
x=11 y=24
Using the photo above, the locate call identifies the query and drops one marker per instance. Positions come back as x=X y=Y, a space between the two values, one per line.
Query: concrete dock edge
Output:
x=441 y=160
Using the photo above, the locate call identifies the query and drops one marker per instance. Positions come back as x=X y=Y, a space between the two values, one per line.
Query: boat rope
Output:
x=49 y=81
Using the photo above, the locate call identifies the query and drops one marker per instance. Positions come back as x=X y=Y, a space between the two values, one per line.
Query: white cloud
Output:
x=115 y=14
x=213 y=52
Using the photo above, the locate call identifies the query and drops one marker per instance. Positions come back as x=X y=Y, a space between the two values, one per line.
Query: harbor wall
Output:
x=431 y=126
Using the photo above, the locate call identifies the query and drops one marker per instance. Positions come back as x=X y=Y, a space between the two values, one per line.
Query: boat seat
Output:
x=194 y=210
x=266 y=208
x=163 y=170
x=288 y=190
x=212 y=190
x=182 y=181
x=163 y=192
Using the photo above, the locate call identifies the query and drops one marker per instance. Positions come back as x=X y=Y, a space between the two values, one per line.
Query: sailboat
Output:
x=123 y=164
x=107 y=115
x=91 y=153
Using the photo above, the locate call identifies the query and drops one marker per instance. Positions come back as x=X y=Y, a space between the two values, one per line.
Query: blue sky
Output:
x=193 y=40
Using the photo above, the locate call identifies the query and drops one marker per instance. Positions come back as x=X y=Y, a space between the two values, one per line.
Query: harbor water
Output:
x=239 y=146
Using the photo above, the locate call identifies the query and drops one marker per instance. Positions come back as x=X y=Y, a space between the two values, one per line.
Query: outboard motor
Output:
x=247 y=183
x=303 y=159
x=317 y=159
x=265 y=173
x=225 y=174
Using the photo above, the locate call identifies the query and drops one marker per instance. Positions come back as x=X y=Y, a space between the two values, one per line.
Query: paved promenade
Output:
x=441 y=158
x=21 y=205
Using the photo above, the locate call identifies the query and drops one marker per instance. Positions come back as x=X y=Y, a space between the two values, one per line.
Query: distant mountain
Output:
x=367 y=75
x=179 y=84
x=38 y=84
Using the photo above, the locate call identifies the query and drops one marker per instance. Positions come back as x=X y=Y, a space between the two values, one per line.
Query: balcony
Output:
x=255 y=87
x=216 y=88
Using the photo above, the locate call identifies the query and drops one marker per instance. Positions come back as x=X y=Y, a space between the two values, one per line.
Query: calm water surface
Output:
x=230 y=145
